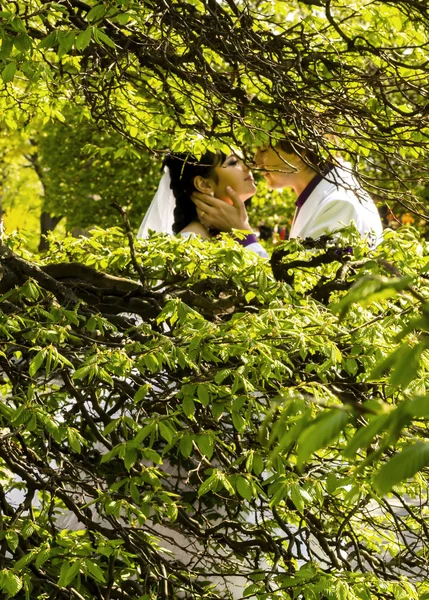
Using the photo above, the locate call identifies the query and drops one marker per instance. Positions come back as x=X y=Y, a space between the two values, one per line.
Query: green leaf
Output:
x=122 y=19
x=22 y=42
x=404 y=362
x=383 y=366
x=43 y=555
x=66 y=40
x=280 y=492
x=251 y=590
x=49 y=41
x=296 y=497
x=365 y=435
x=407 y=365
x=362 y=592
x=22 y=562
x=165 y=431
x=135 y=494
x=11 y=582
x=342 y=591
x=17 y=24
x=371 y=288
x=28 y=529
x=225 y=481
x=418 y=407
x=82 y=372
x=291 y=435
x=402 y=466
x=142 y=434
x=8 y=72
x=141 y=393
x=6 y=46
x=68 y=572
x=209 y=484
x=320 y=432
x=111 y=454
x=203 y=394
x=151 y=362
x=188 y=406
x=130 y=458
x=244 y=488
x=399 y=593
x=94 y=570
x=351 y=366
x=36 y=363
x=74 y=439
x=262 y=281
x=101 y=37
x=12 y=540
x=258 y=464
x=111 y=426
x=217 y=408
x=83 y=39
x=238 y=421
x=96 y=13
x=205 y=444
x=185 y=445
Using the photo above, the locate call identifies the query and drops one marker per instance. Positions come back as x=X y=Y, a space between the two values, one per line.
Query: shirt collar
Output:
x=312 y=185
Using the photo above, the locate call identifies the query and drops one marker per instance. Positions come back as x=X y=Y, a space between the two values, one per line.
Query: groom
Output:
x=329 y=198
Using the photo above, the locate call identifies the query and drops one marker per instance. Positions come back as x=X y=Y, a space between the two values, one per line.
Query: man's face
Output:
x=279 y=168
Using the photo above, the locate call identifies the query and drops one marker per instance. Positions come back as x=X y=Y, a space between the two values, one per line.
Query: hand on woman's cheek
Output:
x=226 y=199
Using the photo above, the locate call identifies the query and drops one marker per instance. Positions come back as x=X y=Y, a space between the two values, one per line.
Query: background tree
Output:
x=84 y=170
x=78 y=171
x=21 y=191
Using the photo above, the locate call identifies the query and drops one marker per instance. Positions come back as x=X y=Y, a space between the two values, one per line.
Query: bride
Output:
x=172 y=210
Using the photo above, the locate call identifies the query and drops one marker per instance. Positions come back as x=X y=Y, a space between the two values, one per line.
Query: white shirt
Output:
x=336 y=202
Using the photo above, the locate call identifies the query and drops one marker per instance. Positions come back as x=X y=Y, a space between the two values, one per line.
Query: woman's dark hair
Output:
x=184 y=167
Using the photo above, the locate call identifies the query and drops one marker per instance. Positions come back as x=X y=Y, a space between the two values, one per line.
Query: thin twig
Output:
x=130 y=236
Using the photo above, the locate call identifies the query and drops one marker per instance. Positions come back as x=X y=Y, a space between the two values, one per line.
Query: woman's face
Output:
x=233 y=172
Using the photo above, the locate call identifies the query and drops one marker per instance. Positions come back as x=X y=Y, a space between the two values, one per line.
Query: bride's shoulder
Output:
x=195 y=228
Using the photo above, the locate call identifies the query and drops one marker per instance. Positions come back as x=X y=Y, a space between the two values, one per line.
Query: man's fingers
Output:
x=204 y=212
x=234 y=197
x=238 y=204
x=213 y=212
x=208 y=200
x=202 y=206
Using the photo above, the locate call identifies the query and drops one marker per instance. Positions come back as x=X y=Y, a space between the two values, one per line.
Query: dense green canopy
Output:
x=196 y=428
x=178 y=418
x=176 y=75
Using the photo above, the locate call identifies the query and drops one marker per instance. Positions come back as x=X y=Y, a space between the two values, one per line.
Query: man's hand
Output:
x=216 y=213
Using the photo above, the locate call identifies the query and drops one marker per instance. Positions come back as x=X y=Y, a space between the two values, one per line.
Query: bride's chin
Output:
x=243 y=196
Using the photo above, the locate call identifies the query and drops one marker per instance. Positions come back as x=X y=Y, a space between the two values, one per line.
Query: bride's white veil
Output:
x=160 y=214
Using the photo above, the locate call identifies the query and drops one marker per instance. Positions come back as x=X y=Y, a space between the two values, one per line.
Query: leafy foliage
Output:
x=84 y=169
x=185 y=74
x=186 y=420
x=203 y=430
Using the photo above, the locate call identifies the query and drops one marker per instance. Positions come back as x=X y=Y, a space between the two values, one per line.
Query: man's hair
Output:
x=312 y=157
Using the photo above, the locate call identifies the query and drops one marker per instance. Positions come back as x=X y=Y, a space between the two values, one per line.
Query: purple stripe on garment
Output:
x=249 y=239
x=312 y=185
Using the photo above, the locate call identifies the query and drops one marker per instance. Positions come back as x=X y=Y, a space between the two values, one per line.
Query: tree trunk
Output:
x=47 y=224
